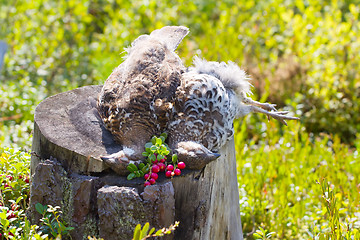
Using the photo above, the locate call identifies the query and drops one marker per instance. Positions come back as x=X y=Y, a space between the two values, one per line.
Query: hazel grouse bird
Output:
x=153 y=92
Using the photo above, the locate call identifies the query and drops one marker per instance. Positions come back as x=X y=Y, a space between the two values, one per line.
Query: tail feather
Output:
x=228 y=73
x=171 y=36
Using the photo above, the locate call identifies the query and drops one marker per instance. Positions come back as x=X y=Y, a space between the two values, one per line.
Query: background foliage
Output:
x=300 y=54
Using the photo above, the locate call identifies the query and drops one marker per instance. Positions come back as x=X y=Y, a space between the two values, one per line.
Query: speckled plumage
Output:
x=152 y=92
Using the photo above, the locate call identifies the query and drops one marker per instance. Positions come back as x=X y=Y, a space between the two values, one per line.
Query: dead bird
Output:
x=153 y=92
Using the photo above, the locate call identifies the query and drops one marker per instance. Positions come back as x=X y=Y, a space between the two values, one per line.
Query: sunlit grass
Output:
x=278 y=181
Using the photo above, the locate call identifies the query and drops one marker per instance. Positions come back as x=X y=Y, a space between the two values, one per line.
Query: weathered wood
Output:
x=68 y=128
x=98 y=202
x=207 y=201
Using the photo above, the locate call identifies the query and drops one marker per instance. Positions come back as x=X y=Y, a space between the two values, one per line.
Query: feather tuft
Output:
x=231 y=76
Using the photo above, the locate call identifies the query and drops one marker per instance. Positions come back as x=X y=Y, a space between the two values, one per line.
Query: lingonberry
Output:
x=152 y=181
x=12 y=215
x=155 y=168
x=172 y=174
x=20 y=176
x=162 y=166
x=154 y=176
x=168 y=174
x=14 y=207
x=6 y=185
x=27 y=180
x=147 y=183
x=170 y=167
x=146 y=176
x=155 y=162
x=181 y=165
x=9 y=177
x=177 y=172
x=163 y=160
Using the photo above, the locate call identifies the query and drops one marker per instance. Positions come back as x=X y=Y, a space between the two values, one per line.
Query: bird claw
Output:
x=269 y=107
x=281 y=116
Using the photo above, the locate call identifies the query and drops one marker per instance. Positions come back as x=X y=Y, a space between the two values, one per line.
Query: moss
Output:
x=90 y=228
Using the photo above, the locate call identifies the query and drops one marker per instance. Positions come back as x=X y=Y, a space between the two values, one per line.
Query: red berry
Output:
x=20 y=176
x=172 y=174
x=146 y=176
x=155 y=168
x=168 y=174
x=181 y=165
x=27 y=180
x=12 y=215
x=155 y=162
x=9 y=177
x=11 y=234
x=152 y=181
x=162 y=166
x=170 y=167
x=6 y=185
x=147 y=183
x=177 y=172
x=163 y=160
x=155 y=176
x=14 y=207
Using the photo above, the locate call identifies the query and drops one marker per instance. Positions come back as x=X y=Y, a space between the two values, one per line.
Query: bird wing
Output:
x=204 y=110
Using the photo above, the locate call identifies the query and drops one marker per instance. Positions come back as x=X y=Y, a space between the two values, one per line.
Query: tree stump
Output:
x=67 y=171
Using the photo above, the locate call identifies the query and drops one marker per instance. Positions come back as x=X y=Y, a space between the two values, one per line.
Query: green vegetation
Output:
x=295 y=182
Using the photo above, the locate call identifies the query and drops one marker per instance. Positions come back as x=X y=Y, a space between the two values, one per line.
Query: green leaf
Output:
x=132 y=167
x=131 y=176
x=257 y=235
x=141 y=165
x=164 y=134
x=153 y=148
x=146 y=168
x=151 y=231
x=162 y=139
x=137 y=232
x=153 y=140
x=137 y=173
x=159 y=157
x=148 y=145
x=159 y=233
x=152 y=157
x=19 y=199
x=40 y=208
x=4 y=222
x=174 y=158
x=145 y=230
x=145 y=154
x=158 y=141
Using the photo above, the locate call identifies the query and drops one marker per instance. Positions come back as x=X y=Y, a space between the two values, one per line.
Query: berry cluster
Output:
x=7 y=183
x=162 y=166
x=156 y=152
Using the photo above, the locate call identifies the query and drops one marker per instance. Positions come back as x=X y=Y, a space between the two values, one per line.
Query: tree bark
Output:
x=67 y=171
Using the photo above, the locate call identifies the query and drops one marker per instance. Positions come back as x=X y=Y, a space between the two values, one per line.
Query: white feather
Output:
x=228 y=73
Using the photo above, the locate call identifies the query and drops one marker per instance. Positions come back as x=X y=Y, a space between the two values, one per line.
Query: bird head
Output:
x=195 y=155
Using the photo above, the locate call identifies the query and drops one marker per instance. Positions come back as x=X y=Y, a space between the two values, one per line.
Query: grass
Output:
x=283 y=183
x=295 y=182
